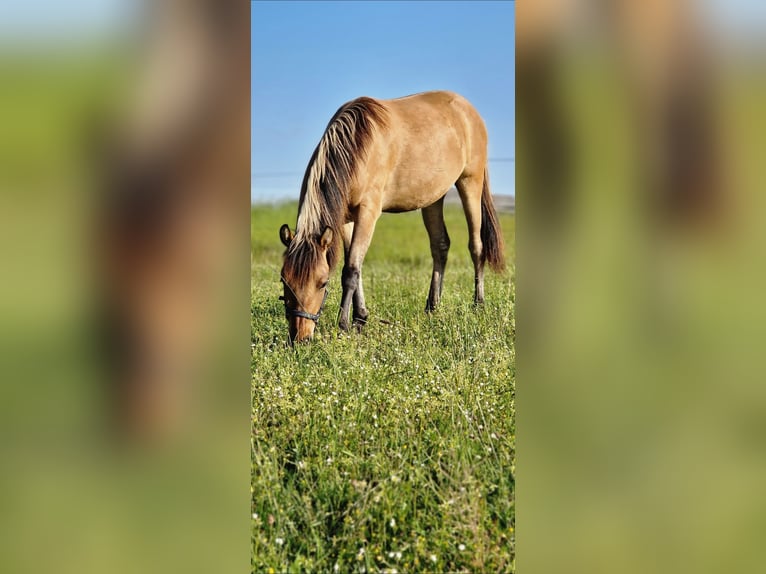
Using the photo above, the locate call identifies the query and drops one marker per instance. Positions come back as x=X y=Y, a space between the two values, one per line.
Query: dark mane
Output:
x=324 y=191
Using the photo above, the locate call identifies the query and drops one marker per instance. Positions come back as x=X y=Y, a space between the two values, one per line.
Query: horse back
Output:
x=431 y=140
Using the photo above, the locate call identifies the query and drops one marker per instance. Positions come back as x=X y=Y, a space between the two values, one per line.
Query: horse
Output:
x=389 y=156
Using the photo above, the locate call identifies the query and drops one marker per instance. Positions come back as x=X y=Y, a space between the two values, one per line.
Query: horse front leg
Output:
x=363 y=228
x=350 y=281
x=360 y=312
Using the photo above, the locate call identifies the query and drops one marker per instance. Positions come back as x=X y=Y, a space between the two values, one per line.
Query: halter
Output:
x=305 y=314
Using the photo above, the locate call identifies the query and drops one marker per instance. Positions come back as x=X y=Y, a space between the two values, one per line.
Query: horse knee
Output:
x=440 y=250
x=350 y=278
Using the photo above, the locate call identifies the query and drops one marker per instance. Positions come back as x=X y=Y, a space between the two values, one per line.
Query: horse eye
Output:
x=324 y=284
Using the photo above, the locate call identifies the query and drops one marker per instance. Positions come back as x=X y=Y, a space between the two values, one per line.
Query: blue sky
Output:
x=48 y=23
x=308 y=58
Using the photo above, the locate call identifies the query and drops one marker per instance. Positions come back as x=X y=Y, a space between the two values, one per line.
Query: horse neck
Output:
x=320 y=207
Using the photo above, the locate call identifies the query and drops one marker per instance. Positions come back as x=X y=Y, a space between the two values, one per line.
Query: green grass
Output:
x=390 y=449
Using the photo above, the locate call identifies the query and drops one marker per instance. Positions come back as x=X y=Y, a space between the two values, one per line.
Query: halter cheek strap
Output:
x=305 y=314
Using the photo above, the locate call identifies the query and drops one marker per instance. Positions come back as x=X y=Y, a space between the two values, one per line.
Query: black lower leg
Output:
x=350 y=281
x=360 y=311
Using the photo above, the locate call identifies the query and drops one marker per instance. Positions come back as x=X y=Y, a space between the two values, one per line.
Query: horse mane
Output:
x=324 y=191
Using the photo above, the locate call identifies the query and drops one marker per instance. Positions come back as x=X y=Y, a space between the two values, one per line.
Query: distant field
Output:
x=503 y=203
x=393 y=449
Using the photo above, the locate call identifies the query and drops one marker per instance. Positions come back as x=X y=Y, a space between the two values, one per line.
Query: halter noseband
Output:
x=305 y=314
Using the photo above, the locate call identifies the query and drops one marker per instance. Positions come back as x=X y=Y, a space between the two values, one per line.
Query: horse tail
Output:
x=493 y=246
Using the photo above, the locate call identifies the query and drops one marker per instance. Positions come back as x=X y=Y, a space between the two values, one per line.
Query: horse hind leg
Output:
x=433 y=218
x=470 y=190
x=360 y=312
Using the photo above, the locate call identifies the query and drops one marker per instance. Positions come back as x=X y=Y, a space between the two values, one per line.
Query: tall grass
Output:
x=391 y=449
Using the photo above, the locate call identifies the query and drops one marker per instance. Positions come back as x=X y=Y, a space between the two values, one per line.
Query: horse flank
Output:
x=324 y=191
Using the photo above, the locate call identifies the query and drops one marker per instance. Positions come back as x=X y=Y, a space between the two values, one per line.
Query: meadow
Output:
x=393 y=449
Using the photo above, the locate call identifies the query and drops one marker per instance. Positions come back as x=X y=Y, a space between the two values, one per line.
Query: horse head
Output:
x=305 y=274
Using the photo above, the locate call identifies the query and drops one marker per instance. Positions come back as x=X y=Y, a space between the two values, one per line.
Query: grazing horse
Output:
x=386 y=156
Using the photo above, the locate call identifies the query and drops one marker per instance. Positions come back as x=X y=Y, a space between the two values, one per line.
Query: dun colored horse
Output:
x=386 y=156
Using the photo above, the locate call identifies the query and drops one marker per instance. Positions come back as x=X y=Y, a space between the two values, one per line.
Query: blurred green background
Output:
x=640 y=395
x=71 y=499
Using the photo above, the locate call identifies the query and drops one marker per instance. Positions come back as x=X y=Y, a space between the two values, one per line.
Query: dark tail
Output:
x=493 y=250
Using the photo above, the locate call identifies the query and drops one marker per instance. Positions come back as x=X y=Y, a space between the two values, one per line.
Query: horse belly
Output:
x=414 y=187
x=400 y=202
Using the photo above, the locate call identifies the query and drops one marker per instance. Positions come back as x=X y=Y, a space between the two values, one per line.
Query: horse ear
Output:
x=286 y=235
x=326 y=240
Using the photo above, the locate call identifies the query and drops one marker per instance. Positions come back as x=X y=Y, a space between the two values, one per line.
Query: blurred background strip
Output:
x=640 y=178
x=124 y=214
